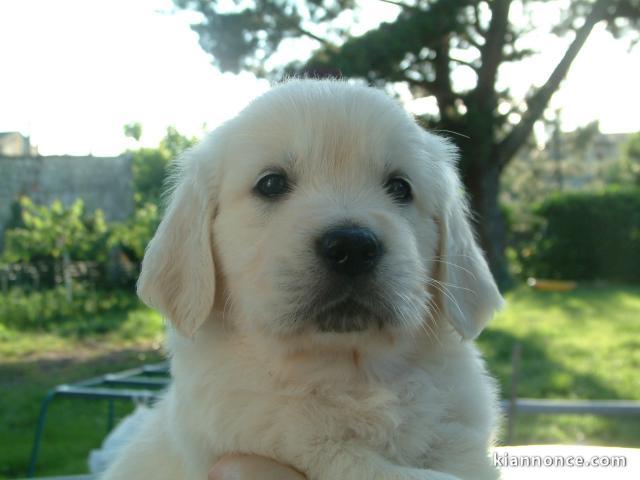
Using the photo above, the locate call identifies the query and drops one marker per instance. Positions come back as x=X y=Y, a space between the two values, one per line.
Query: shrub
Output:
x=52 y=310
x=133 y=235
x=51 y=231
x=128 y=241
x=47 y=239
x=585 y=236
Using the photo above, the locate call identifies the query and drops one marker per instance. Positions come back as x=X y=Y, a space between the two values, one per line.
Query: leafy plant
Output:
x=586 y=236
x=52 y=310
x=151 y=165
x=134 y=234
x=49 y=232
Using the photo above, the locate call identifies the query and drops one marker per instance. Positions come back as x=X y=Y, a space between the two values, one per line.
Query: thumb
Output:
x=251 y=467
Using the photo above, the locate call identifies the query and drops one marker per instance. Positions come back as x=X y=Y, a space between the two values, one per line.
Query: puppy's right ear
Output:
x=177 y=276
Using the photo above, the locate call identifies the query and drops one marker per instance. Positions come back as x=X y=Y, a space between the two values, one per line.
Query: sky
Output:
x=74 y=72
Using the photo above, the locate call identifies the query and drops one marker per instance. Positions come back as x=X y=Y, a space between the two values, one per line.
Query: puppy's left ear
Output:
x=177 y=276
x=468 y=294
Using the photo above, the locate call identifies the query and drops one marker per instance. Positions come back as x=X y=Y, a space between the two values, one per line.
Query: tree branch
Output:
x=296 y=25
x=491 y=52
x=404 y=6
x=444 y=94
x=468 y=37
x=423 y=86
x=373 y=55
x=323 y=41
x=465 y=63
x=537 y=103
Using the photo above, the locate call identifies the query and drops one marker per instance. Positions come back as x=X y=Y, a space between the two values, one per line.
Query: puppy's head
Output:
x=329 y=214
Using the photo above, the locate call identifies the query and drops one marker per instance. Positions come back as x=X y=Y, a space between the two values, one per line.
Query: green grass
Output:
x=73 y=427
x=34 y=358
x=582 y=344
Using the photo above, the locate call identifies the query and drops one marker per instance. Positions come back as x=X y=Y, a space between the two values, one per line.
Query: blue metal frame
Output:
x=141 y=385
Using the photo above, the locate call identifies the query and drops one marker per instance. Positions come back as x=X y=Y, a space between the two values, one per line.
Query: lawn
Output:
x=583 y=344
x=33 y=360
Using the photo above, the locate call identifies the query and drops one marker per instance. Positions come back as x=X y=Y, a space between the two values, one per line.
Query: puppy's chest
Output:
x=396 y=419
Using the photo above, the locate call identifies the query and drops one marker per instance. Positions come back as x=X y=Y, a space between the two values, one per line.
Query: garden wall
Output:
x=102 y=182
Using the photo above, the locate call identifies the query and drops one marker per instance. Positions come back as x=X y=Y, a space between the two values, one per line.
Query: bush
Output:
x=585 y=236
x=49 y=232
x=128 y=241
x=133 y=235
x=47 y=239
x=51 y=310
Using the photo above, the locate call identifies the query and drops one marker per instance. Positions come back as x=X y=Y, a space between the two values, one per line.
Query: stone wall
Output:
x=102 y=182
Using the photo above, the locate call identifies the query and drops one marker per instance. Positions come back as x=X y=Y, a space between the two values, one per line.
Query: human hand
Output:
x=252 y=467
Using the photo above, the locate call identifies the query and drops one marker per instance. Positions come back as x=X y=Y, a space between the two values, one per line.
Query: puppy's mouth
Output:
x=360 y=305
x=349 y=313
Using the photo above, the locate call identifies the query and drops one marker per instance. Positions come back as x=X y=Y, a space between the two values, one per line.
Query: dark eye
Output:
x=273 y=185
x=399 y=189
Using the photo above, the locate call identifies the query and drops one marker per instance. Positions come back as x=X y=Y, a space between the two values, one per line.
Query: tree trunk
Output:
x=482 y=185
x=483 y=161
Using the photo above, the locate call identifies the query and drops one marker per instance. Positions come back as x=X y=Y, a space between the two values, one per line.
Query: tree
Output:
x=133 y=130
x=151 y=165
x=428 y=42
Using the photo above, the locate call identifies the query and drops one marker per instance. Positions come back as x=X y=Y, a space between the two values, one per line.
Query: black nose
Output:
x=350 y=250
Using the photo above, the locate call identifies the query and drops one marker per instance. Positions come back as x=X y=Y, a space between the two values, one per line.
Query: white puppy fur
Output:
x=395 y=390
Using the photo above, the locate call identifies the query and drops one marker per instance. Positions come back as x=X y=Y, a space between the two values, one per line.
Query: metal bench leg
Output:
x=110 y=415
x=39 y=429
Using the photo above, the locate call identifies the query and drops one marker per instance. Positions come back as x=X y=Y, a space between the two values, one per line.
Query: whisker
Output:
x=442 y=289
x=450 y=285
x=466 y=270
x=452 y=132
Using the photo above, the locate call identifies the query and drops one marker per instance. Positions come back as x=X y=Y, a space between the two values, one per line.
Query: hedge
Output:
x=586 y=236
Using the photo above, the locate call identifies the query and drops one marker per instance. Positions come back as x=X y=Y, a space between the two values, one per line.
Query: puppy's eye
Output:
x=399 y=189
x=273 y=185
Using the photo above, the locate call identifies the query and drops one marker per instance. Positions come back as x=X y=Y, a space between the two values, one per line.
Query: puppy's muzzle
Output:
x=350 y=251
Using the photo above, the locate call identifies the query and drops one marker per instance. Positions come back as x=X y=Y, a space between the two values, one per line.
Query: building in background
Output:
x=14 y=144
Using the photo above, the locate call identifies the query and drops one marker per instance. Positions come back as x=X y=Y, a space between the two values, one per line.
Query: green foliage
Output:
x=175 y=143
x=45 y=234
x=133 y=130
x=49 y=232
x=631 y=159
x=51 y=310
x=234 y=32
x=134 y=235
x=151 y=165
x=586 y=236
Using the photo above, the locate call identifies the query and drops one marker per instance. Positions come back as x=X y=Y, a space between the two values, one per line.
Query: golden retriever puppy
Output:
x=323 y=285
